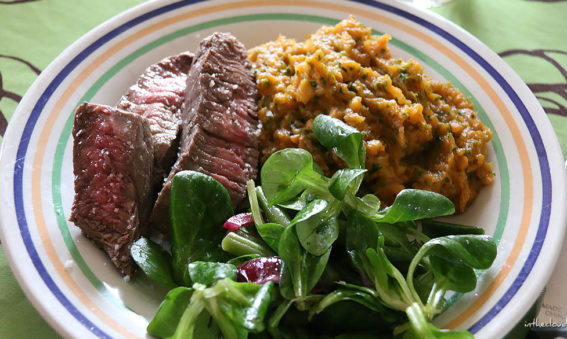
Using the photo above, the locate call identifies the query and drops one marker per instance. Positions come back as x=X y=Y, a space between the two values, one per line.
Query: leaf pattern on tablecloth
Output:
x=11 y=95
x=557 y=103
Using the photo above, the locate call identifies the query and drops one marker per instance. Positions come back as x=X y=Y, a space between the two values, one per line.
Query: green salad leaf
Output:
x=412 y=204
x=345 y=141
x=345 y=180
x=303 y=269
x=287 y=173
x=170 y=320
x=206 y=273
x=198 y=204
x=453 y=259
x=271 y=233
x=153 y=260
x=316 y=226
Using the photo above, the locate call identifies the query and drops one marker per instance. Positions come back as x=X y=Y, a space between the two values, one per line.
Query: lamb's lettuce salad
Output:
x=312 y=258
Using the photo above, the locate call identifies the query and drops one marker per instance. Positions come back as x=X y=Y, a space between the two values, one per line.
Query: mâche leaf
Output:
x=153 y=260
x=453 y=259
x=271 y=234
x=345 y=141
x=198 y=207
x=452 y=276
x=476 y=251
x=283 y=172
x=207 y=273
x=166 y=323
x=317 y=227
x=413 y=204
x=344 y=180
x=304 y=269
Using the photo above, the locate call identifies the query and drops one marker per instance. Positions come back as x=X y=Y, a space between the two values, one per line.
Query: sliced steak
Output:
x=219 y=118
x=230 y=163
x=113 y=159
x=158 y=97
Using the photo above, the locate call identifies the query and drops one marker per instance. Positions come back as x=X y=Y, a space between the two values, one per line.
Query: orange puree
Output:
x=418 y=132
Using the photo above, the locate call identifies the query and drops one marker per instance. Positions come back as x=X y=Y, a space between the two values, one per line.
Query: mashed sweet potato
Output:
x=418 y=132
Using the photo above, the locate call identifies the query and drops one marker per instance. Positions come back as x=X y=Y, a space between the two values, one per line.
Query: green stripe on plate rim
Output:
x=66 y=132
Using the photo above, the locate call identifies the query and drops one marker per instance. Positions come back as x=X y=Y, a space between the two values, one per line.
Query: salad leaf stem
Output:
x=237 y=243
x=274 y=321
x=417 y=234
x=418 y=321
x=434 y=300
x=396 y=296
x=315 y=183
x=253 y=199
x=273 y=213
x=186 y=326
x=420 y=328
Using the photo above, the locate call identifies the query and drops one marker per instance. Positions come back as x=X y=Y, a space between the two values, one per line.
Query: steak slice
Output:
x=229 y=163
x=113 y=159
x=220 y=129
x=158 y=97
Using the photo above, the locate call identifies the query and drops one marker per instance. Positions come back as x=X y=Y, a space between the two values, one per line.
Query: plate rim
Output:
x=145 y=7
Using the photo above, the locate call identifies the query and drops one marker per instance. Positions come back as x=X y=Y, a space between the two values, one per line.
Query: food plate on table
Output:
x=76 y=288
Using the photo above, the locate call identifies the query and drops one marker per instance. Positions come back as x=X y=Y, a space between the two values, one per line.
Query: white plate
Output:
x=79 y=292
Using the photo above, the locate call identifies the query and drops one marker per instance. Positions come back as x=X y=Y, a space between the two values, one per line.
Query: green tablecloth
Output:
x=527 y=34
